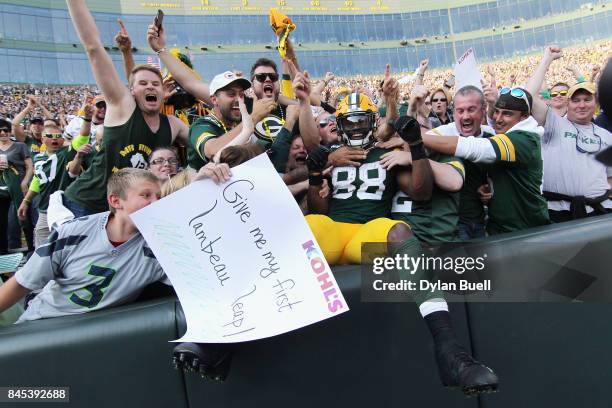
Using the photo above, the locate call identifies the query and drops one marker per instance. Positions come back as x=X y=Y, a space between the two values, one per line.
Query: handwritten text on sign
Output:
x=241 y=257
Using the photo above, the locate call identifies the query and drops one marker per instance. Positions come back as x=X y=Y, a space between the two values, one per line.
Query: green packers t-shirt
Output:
x=127 y=145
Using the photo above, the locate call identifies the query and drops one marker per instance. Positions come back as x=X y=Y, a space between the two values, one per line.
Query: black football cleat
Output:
x=211 y=361
x=457 y=368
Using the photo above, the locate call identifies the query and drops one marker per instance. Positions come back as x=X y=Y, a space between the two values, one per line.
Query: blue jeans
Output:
x=15 y=226
x=77 y=209
x=471 y=230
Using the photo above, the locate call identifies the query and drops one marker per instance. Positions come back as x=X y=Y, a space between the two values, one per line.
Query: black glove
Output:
x=316 y=161
x=408 y=128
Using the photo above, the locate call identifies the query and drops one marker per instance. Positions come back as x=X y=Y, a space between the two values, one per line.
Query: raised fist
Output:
x=408 y=128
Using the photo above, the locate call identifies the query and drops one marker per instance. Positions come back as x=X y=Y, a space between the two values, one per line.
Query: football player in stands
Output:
x=357 y=211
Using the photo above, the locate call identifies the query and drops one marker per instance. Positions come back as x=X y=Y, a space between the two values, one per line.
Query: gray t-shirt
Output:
x=569 y=169
x=79 y=270
x=16 y=155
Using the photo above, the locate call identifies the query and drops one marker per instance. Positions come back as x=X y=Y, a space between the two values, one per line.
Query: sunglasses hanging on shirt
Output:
x=586 y=144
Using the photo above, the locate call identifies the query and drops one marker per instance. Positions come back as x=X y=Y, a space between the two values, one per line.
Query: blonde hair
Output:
x=124 y=179
x=176 y=182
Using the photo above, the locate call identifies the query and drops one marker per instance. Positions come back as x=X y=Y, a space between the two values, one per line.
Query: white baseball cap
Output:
x=226 y=78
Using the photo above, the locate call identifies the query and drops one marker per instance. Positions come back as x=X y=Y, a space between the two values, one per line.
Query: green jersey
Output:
x=201 y=131
x=361 y=194
x=516 y=176
x=127 y=145
x=436 y=220
x=51 y=172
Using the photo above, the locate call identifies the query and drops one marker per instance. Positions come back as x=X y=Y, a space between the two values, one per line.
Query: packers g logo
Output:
x=268 y=128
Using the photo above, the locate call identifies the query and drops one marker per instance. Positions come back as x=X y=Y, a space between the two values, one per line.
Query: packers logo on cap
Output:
x=268 y=128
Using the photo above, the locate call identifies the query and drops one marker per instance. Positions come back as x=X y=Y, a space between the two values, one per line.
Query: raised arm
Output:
x=18 y=130
x=120 y=103
x=539 y=108
x=308 y=127
x=123 y=41
x=317 y=90
x=245 y=133
x=180 y=72
x=390 y=90
x=46 y=113
x=421 y=72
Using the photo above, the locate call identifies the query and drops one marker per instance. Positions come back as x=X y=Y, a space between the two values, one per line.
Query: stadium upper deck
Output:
x=346 y=37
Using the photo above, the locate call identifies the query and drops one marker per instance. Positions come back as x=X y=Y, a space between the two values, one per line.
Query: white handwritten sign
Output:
x=241 y=257
x=467 y=72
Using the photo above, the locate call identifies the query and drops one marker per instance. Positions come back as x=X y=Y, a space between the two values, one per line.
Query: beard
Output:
x=228 y=117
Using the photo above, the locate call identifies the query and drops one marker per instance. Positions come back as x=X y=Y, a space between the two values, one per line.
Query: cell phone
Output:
x=159 y=18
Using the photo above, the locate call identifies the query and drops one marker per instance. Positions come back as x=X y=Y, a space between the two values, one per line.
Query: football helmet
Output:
x=356 y=120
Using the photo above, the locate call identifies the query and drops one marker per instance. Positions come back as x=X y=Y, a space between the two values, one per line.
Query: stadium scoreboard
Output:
x=237 y=7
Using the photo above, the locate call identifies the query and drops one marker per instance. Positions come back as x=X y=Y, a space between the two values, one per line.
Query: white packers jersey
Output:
x=79 y=270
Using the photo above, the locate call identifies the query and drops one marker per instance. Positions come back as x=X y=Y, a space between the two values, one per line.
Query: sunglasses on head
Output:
x=517 y=93
x=325 y=122
x=439 y=100
x=53 y=135
x=262 y=77
x=554 y=94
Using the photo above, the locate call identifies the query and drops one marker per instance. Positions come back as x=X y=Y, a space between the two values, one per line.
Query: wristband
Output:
x=417 y=151
x=161 y=50
x=315 y=179
x=85 y=119
x=25 y=200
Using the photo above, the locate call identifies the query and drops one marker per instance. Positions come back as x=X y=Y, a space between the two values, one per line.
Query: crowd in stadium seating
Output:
x=66 y=100
x=433 y=164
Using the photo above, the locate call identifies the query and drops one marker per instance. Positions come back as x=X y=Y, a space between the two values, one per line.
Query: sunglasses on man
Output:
x=5 y=129
x=262 y=77
x=438 y=100
x=100 y=105
x=560 y=93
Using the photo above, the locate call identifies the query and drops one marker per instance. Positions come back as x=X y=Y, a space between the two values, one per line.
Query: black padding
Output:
x=117 y=357
x=376 y=355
